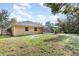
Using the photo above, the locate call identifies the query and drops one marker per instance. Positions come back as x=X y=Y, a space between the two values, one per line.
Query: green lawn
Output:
x=40 y=45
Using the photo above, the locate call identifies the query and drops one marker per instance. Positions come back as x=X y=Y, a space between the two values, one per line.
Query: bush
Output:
x=56 y=30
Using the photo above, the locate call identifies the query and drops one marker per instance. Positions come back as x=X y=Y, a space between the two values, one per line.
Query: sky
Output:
x=35 y=12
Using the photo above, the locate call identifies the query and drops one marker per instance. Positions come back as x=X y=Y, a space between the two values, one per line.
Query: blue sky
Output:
x=35 y=12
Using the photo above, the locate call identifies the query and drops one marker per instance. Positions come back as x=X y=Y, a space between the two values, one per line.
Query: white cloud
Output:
x=24 y=14
x=41 y=16
x=17 y=7
x=43 y=19
x=25 y=5
x=53 y=18
x=41 y=4
x=21 y=12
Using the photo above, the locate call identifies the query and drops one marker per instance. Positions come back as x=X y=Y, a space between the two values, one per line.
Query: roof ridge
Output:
x=29 y=24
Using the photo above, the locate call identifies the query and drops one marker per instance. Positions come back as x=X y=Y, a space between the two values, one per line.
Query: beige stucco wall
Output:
x=20 y=30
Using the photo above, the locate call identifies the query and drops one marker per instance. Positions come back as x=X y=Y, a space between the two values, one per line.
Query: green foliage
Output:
x=71 y=24
x=49 y=25
x=55 y=7
x=5 y=22
x=56 y=30
x=66 y=8
x=4 y=18
x=13 y=20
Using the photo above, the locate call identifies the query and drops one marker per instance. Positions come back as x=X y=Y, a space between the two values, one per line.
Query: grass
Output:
x=39 y=45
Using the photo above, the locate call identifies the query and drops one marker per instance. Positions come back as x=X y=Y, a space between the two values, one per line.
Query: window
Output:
x=26 y=28
x=35 y=29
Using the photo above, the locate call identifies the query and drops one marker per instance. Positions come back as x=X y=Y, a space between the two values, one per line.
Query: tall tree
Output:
x=71 y=10
x=4 y=16
x=49 y=26
x=13 y=21
x=66 y=8
x=48 y=23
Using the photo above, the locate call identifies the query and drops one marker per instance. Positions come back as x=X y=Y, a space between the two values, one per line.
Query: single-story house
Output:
x=28 y=27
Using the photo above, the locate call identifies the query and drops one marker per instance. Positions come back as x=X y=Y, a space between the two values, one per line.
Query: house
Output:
x=28 y=27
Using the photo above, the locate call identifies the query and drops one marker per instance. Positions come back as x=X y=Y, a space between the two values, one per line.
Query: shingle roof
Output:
x=29 y=23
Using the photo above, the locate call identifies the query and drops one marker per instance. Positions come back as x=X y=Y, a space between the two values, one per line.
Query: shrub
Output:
x=56 y=30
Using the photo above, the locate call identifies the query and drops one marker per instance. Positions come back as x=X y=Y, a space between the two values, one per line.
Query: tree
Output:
x=66 y=8
x=56 y=30
x=4 y=16
x=12 y=22
x=49 y=25
x=71 y=24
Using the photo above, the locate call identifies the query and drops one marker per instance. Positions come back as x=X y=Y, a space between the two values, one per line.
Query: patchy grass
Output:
x=39 y=45
x=4 y=36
